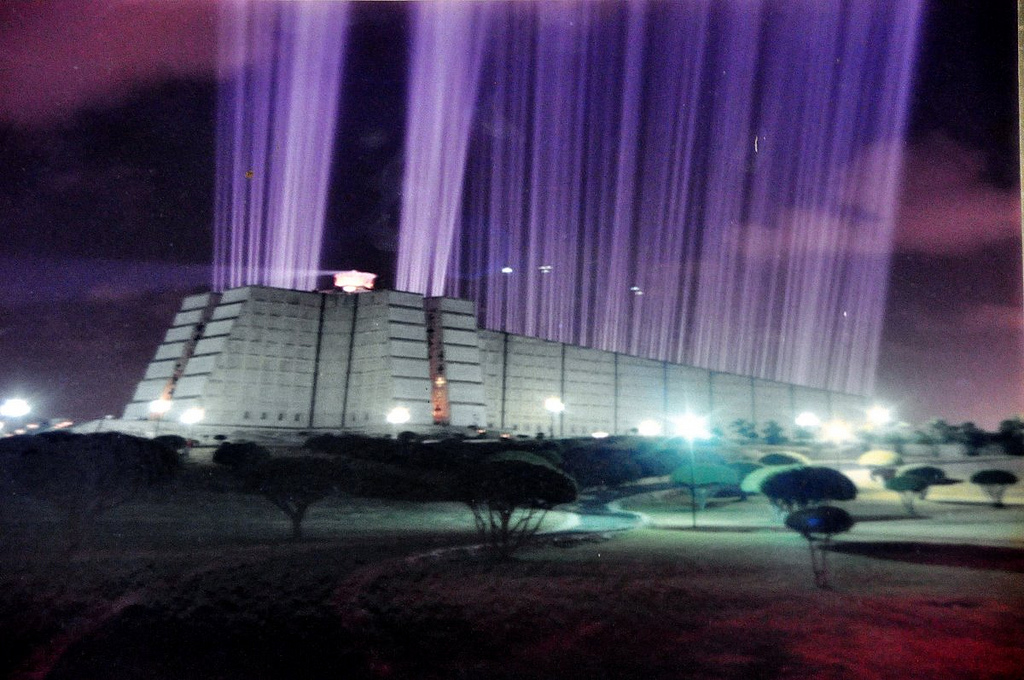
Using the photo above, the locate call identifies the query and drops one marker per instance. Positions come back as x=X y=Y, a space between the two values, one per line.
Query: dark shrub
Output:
x=818 y=525
x=783 y=458
x=822 y=521
x=753 y=480
x=355 y=446
x=807 y=486
x=994 y=483
x=240 y=455
x=908 y=487
x=293 y=484
x=509 y=495
x=929 y=473
x=172 y=441
x=84 y=475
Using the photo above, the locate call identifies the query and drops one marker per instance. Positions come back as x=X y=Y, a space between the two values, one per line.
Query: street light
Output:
x=879 y=416
x=399 y=415
x=836 y=432
x=692 y=427
x=15 y=408
x=808 y=421
x=193 y=415
x=158 y=408
x=190 y=417
x=648 y=428
x=554 y=406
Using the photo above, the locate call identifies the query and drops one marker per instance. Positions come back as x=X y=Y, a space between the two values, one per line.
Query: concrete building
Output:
x=266 y=358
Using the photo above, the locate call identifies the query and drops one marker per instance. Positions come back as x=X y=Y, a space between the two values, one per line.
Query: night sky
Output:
x=107 y=116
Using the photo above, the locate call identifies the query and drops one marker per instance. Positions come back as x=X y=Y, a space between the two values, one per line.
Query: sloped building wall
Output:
x=258 y=357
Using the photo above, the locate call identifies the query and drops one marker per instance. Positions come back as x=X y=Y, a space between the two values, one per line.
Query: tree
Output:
x=807 y=486
x=754 y=479
x=818 y=525
x=240 y=455
x=773 y=433
x=908 y=487
x=994 y=483
x=174 y=442
x=1011 y=436
x=509 y=495
x=931 y=475
x=881 y=462
x=744 y=430
x=971 y=436
x=293 y=484
x=706 y=481
x=784 y=458
x=84 y=475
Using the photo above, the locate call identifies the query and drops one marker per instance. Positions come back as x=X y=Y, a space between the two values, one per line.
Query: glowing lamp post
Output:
x=399 y=415
x=15 y=408
x=692 y=427
x=836 y=432
x=190 y=417
x=879 y=416
x=808 y=421
x=648 y=428
x=158 y=408
x=555 y=407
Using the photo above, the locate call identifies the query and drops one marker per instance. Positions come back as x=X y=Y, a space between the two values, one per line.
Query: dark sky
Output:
x=106 y=180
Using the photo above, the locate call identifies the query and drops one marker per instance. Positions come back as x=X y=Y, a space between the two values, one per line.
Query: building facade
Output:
x=257 y=357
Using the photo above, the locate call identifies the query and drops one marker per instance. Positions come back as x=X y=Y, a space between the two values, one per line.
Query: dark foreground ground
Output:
x=209 y=590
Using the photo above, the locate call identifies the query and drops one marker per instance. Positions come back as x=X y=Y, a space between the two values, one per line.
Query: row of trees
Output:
x=81 y=476
x=1009 y=436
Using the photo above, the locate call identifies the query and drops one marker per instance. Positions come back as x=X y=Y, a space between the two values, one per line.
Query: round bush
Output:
x=240 y=455
x=825 y=520
x=908 y=483
x=806 y=486
x=993 y=477
x=784 y=458
x=929 y=473
x=754 y=480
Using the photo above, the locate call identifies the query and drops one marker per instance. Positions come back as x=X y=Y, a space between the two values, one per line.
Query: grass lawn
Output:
x=202 y=585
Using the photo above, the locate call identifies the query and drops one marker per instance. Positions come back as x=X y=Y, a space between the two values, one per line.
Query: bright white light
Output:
x=554 y=404
x=160 y=406
x=545 y=268
x=353 y=281
x=836 y=431
x=398 y=415
x=649 y=428
x=692 y=426
x=15 y=408
x=192 y=415
x=600 y=434
x=507 y=270
x=808 y=420
x=879 y=415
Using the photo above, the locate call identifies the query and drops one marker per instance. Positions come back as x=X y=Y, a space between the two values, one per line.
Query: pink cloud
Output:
x=946 y=207
x=63 y=55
